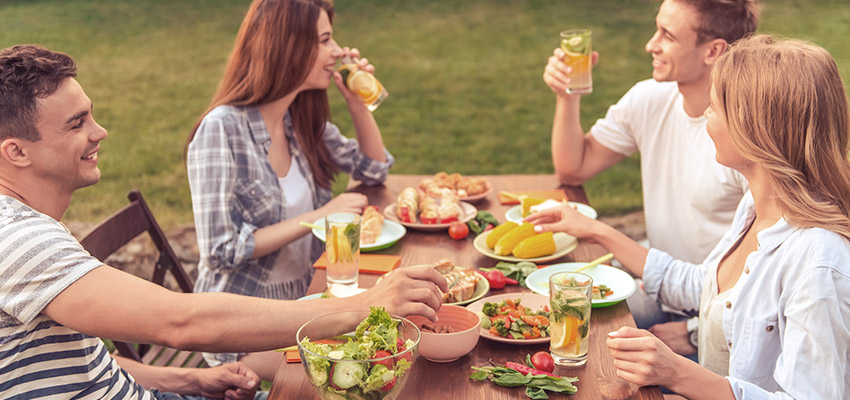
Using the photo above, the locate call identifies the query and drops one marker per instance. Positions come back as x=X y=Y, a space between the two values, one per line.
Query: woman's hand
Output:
x=233 y=381
x=409 y=291
x=364 y=65
x=346 y=202
x=556 y=73
x=642 y=358
x=563 y=218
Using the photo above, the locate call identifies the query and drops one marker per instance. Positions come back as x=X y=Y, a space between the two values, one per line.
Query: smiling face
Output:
x=67 y=152
x=326 y=56
x=676 y=56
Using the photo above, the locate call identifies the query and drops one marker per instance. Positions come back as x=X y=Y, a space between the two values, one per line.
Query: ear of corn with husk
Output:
x=506 y=244
x=535 y=246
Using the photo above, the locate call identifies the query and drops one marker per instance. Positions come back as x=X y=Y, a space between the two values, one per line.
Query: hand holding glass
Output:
x=576 y=45
x=342 y=244
x=364 y=84
x=569 y=326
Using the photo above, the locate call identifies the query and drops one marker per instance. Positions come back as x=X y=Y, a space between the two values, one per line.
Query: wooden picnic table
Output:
x=597 y=379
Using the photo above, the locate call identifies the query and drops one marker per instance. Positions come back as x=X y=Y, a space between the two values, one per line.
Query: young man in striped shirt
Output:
x=56 y=300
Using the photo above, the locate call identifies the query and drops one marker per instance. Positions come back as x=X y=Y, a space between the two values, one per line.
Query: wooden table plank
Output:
x=451 y=380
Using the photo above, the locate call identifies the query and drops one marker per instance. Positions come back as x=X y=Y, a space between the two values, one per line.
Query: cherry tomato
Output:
x=458 y=230
x=543 y=361
x=489 y=226
x=496 y=279
x=381 y=354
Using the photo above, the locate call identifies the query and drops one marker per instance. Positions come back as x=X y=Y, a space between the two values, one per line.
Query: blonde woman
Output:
x=774 y=311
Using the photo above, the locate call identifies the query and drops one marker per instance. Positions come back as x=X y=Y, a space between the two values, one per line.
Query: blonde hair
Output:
x=785 y=106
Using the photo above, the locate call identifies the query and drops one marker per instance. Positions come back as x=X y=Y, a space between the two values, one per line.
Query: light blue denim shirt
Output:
x=235 y=191
x=786 y=320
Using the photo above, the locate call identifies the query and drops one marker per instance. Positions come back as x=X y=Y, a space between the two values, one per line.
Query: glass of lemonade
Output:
x=569 y=319
x=576 y=44
x=342 y=244
x=370 y=90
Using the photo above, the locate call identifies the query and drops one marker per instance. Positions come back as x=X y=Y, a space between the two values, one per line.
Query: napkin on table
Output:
x=369 y=263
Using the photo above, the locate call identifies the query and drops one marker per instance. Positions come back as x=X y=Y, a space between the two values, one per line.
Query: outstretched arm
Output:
x=112 y=304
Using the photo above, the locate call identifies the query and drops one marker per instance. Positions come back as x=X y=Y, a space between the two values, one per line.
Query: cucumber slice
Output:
x=345 y=374
x=318 y=375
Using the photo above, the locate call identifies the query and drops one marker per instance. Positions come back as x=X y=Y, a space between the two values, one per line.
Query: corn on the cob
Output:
x=498 y=232
x=535 y=246
x=506 y=244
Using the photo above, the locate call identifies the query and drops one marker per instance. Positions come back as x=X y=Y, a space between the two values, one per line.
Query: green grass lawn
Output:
x=464 y=77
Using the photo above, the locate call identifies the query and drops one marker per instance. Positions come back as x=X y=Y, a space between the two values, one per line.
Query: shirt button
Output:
x=747 y=270
x=728 y=304
x=730 y=345
x=769 y=328
x=253 y=192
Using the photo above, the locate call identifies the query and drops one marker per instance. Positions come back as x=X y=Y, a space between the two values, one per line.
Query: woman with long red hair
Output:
x=262 y=157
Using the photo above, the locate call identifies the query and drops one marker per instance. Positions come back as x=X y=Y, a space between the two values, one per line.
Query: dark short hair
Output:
x=28 y=72
x=729 y=20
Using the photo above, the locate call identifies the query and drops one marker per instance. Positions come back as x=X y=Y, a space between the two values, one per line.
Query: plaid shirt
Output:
x=235 y=191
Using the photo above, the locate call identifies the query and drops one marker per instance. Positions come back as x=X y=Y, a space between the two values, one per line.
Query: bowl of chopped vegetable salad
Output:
x=358 y=355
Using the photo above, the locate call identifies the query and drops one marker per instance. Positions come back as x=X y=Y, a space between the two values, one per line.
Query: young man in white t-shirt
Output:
x=56 y=299
x=689 y=199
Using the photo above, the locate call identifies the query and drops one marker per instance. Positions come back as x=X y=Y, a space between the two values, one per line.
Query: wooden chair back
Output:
x=116 y=231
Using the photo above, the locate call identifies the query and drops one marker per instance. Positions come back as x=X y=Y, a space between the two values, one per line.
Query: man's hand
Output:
x=233 y=381
x=556 y=73
x=675 y=335
x=408 y=291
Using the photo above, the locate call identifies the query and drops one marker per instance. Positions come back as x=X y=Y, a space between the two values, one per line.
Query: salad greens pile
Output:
x=349 y=374
x=536 y=385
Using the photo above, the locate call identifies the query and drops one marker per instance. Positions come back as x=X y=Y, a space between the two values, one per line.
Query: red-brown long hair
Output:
x=275 y=48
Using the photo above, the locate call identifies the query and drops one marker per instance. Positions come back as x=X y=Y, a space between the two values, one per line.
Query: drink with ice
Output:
x=576 y=45
x=569 y=326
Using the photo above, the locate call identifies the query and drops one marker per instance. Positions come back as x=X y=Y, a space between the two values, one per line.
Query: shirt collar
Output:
x=769 y=238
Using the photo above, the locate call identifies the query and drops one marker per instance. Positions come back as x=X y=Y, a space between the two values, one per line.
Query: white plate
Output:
x=391 y=233
x=311 y=297
x=515 y=213
x=618 y=280
x=530 y=300
x=469 y=212
x=563 y=245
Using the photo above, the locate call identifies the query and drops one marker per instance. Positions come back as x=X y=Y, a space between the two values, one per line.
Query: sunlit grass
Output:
x=465 y=84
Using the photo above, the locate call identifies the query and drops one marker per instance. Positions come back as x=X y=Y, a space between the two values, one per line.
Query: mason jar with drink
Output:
x=576 y=46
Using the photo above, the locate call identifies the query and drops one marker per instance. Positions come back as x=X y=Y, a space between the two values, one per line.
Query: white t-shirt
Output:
x=40 y=358
x=689 y=199
x=297 y=200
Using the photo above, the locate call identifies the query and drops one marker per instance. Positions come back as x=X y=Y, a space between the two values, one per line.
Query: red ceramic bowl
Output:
x=448 y=347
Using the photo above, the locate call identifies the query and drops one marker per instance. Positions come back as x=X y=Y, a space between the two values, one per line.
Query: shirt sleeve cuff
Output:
x=654 y=269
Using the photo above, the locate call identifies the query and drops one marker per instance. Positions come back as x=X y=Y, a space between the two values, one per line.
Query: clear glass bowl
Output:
x=337 y=379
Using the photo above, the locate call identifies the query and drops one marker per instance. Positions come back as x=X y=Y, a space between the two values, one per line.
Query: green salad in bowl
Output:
x=358 y=355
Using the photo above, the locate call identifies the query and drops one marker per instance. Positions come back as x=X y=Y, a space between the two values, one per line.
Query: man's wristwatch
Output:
x=693 y=331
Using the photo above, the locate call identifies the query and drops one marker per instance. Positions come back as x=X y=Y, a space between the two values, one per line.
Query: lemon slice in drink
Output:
x=563 y=334
x=365 y=85
x=574 y=46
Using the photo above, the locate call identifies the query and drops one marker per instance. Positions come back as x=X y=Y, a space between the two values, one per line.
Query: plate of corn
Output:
x=519 y=242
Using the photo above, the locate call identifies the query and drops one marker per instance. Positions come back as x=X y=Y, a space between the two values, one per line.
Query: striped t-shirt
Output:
x=39 y=358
